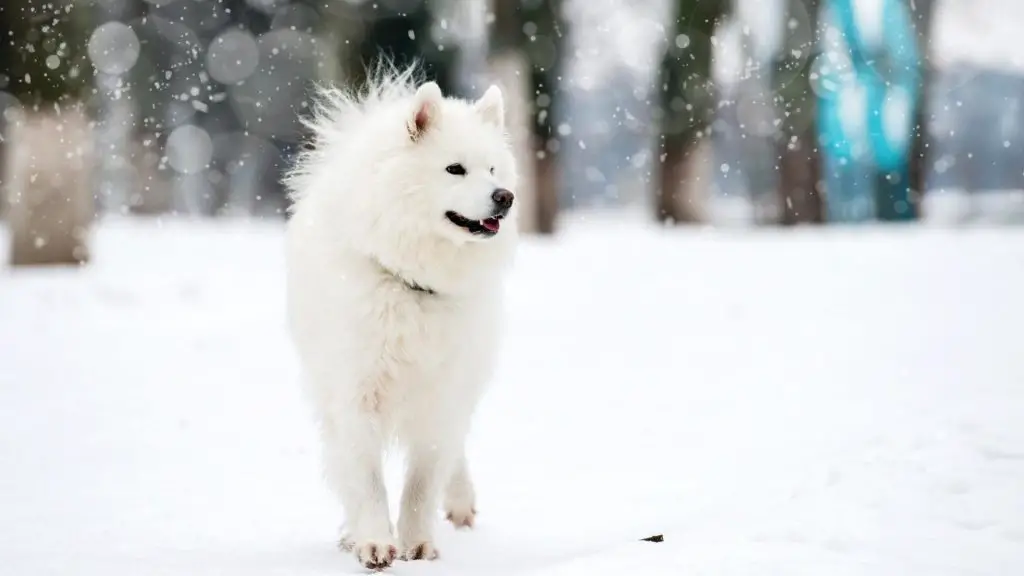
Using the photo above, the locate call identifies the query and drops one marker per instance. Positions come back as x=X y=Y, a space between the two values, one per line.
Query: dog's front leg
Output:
x=459 y=496
x=352 y=451
x=429 y=465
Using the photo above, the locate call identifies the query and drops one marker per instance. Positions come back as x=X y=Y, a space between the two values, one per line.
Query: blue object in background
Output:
x=866 y=79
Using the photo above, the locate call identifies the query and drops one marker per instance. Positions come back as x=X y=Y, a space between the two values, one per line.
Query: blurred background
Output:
x=720 y=112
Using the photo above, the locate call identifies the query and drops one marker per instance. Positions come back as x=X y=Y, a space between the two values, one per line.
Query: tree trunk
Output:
x=47 y=159
x=684 y=181
x=547 y=178
x=799 y=175
x=43 y=56
x=535 y=33
x=921 y=13
x=798 y=154
x=509 y=70
x=49 y=163
x=687 y=104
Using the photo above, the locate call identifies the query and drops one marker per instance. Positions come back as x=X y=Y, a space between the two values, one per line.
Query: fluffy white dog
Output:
x=403 y=227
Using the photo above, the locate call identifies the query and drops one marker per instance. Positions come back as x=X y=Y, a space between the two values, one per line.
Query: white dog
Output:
x=403 y=227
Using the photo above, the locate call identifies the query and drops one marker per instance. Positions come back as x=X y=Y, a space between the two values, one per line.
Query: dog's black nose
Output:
x=503 y=198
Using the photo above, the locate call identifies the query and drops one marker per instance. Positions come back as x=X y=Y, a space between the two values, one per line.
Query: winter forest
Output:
x=689 y=111
x=763 y=308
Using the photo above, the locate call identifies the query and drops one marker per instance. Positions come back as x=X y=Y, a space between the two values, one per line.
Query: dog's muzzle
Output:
x=503 y=200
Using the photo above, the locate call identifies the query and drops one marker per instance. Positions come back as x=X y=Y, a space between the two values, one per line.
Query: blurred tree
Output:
x=33 y=31
x=402 y=31
x=533 y=32
x=49 y=165
x=797 y=152
x=44 y=64
x=922 y=15
x=688 y=99
x=44 y=57
x=898 y=192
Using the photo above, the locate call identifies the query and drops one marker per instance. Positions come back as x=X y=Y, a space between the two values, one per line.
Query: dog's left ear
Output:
x=426 y=109
x=491 y=106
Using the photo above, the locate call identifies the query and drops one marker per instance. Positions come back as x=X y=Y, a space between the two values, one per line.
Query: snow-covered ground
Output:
x=821 y=402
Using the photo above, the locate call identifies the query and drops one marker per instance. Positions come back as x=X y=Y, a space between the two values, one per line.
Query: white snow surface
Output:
x=823 y=402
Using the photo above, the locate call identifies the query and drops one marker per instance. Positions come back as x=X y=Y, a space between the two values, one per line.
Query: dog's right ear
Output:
x=426 y=109
x=492 y=106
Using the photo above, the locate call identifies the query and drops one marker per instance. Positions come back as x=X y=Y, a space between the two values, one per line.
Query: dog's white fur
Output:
x=386 y=364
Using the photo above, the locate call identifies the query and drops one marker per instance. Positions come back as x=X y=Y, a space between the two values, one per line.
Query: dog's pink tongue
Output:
x=491 y=224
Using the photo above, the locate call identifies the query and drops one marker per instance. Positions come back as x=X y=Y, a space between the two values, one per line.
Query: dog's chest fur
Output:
x=428 y=351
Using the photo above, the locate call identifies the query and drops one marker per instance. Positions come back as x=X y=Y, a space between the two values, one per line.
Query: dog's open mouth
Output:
x=485 y=227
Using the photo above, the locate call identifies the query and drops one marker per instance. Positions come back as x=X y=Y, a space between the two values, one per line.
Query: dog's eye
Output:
x=492 y=170
x=456 y=170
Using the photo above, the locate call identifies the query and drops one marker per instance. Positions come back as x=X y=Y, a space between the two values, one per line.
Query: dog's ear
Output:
x=491 y=106
x=426 y=109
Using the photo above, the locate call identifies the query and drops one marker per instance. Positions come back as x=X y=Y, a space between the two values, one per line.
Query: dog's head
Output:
x=422 y=183
x=453 y=174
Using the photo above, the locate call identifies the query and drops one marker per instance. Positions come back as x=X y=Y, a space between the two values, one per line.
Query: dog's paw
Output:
x=464 y=518
x=420 y=551
x=371 y=555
